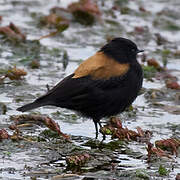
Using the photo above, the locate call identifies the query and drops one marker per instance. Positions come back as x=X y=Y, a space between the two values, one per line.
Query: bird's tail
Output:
x=31 y=106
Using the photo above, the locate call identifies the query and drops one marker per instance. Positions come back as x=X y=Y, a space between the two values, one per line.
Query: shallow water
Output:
x=81 y=42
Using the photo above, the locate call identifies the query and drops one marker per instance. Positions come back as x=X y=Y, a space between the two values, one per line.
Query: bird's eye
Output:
x=133 y=50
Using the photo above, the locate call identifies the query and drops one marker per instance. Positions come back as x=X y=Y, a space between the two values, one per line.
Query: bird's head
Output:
x=122 y=50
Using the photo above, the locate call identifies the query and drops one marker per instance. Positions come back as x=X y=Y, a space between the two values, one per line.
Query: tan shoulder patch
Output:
x=100 y=66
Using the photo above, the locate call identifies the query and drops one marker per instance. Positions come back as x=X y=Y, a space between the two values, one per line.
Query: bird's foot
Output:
x=97 y=132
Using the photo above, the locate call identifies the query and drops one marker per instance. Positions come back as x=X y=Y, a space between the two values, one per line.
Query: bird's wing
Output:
x=88 y=83
x=100 y=66
x=81 y=92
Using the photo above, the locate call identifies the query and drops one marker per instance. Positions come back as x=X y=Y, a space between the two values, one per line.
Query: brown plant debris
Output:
x=51 y=124
x=15 y=73
x=178 y=176
x=116 y=130
x=172 y=84
x=155 y=64
x=152 y=151
x=53 y=20
x=145 y=136
x=160 y=40
x=3 y=134
x=34 y=64
x=171 y=145
x=12 y=32
x=51 y=34
x=142 y=9
x=85 y=11
x=85 y=5
x=16 y=134
x=140 y=29
x=164 y=74
x=77 y=160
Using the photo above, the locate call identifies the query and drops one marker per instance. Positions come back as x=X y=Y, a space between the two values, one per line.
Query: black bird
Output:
x=102 y=86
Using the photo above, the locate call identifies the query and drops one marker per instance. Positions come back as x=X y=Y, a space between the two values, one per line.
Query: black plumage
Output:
x=103 y=86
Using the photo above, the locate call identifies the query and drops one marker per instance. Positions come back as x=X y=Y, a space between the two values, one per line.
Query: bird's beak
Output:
x=139 y=51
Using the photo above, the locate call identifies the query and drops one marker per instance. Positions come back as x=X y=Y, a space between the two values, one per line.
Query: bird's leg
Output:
x=96 y=128
x=100 y=125
x=96 y=122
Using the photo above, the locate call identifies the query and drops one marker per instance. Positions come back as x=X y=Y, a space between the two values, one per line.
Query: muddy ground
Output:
x=49 y=50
